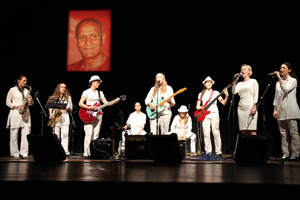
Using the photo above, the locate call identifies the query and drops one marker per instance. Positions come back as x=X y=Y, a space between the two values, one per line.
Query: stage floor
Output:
x=135 y=178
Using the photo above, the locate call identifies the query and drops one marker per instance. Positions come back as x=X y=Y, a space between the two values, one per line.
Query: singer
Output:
x=62 y=122
x=286 y=110
x=248 y=92
x=164 y=91
x=15 y=101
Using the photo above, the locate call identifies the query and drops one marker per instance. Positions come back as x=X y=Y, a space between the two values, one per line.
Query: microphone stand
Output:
x=43 y=113
x=232 y=107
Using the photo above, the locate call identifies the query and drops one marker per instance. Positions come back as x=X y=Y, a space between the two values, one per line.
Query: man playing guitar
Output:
x=92 y=96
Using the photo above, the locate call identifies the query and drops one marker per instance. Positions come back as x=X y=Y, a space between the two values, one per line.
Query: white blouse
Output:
x=286 y=100
x=165 y=95
x=15 y=119
x=180 y=127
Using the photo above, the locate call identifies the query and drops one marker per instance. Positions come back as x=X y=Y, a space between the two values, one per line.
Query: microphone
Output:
x=36 y=94
x=239 y=74
x=271 y=74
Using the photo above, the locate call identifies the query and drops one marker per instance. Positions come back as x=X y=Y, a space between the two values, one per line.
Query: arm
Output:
x=224 y=101
x=82 y=105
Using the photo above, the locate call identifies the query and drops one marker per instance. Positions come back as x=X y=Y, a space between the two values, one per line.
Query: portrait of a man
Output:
x=90 y=37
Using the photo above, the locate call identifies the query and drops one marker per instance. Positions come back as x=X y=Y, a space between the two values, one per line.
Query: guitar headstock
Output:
x=181 y=90
x=123 y=97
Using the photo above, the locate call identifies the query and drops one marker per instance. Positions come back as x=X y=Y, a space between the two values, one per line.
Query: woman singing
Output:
x=15 y=101
x=286 y=110
x=164 y=91
x=248 y=92
x=212 y=119
x=90 y=97
x=62 y=123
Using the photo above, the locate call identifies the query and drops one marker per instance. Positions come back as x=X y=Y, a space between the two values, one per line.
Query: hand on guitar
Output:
x=94 y=108
x=151 y=106
x=199 y=107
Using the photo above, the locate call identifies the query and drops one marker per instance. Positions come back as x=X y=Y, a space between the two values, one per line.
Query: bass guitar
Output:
x=152 y=113
x=201 y=114
x=88 y=116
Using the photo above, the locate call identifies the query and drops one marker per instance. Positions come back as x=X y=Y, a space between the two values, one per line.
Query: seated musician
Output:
x=212 y=119
x=182 y=126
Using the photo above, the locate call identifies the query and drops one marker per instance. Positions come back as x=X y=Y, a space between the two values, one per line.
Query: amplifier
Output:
x=136 y=147
x=102 y=148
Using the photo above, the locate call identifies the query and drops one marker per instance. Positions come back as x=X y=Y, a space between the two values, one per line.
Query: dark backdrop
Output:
x=185 y=41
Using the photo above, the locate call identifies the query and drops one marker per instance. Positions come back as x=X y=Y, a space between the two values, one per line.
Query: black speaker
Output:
x=102 y=148
x=165 y=148
x=137 y=147
x=252 y=149
x=46 y=148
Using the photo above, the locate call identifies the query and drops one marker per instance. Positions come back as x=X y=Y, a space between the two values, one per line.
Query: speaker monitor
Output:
x=46 y=148
x=102 y=148
x=165 y=148
x=252 y=149
x=137 y=147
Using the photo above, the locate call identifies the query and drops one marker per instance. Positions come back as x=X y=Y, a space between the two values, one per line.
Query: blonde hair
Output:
x=185 y=119
x=57 y=92
x=249 y=68
x=164 y=85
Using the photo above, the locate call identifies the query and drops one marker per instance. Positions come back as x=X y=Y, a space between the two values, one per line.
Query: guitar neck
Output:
x=210 y=103
x=106 y=104
x=170 y=97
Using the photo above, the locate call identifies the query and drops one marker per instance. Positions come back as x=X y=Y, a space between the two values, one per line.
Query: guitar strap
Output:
x=211 y=94
x=99 y=96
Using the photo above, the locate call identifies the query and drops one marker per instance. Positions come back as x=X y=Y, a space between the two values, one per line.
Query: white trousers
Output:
x=289 y=129
x=14 y=145
x=62 y=133
x=163 y=122
x=212 y=120
x=190 y=136
x=92 y=132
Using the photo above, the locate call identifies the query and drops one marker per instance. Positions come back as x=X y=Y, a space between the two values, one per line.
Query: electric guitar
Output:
x=88 y=116
x=201 y=114
x=152 y=113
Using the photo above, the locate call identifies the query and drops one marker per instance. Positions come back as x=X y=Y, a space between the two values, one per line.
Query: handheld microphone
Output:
x=238 y=74
x=271 y=74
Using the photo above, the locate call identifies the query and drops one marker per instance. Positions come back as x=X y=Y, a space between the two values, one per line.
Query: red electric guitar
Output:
x=201 y=114
x=88 y=116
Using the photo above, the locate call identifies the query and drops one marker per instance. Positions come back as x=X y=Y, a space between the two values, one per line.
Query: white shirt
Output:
x=91 y=96
x=136 y=121
x=213 y=108
x=15 y=120
x=165 y=95
x=180 y=127
x=286 y=100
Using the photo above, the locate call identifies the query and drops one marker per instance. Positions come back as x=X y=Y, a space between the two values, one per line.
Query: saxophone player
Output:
x=18 y=97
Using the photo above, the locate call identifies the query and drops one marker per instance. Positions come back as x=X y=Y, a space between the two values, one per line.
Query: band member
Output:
x=286 y=110
x=135 y=122
x=90 y=97
x=248 y=92
x=212 y=119
x=182 y=126
x=62 y=123
x=16 y=100
x=164 y=91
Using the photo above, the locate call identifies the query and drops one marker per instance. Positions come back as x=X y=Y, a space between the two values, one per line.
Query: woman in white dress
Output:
x=61 y=128
x=248 y=92
x=286 y=111
x=15 y=101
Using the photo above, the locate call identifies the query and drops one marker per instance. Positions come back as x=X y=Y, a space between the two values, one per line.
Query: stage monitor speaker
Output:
x=165 y=148
x=252 y=149
x=102 y=148
x=137 y=147
x=46 y=148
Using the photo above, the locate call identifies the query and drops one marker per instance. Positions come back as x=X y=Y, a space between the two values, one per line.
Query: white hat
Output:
x=183 y=109
x=208 y=79
x=95 y=78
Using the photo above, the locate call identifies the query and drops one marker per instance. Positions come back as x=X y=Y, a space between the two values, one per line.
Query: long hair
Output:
x=292 y=73
x=185 y=119
x=57 y=92
x=163 y=87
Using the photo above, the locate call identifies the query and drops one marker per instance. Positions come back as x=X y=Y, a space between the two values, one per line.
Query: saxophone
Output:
x=26 y=101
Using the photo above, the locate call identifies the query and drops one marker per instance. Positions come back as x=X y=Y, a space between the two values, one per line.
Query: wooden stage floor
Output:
x=76 y=177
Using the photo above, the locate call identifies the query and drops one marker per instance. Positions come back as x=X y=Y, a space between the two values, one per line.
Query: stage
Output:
x=191 y=177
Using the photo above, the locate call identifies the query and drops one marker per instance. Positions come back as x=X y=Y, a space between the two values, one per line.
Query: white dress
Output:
x=248 y=92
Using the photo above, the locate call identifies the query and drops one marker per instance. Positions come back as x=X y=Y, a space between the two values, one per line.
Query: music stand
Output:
x=54 y=103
